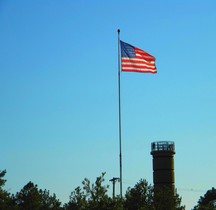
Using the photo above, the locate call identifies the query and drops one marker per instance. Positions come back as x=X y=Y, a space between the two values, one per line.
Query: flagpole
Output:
x=119 y=95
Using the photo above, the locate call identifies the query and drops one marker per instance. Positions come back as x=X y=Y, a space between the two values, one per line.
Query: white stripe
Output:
x=137 y=59
x=139 y=64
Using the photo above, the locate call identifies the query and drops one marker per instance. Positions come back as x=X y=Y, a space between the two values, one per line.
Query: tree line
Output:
x=94 y=196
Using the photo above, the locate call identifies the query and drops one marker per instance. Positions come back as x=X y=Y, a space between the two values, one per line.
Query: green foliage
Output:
x=31 y=198
x=117 y=203
x=140 y=197
x=94 y=196
x=91 y=196
x=49 y=201
x=208 y=201
x=2 y=181
x=166 y=199
x=77 y=200
x=5 y=199
x=144 y=197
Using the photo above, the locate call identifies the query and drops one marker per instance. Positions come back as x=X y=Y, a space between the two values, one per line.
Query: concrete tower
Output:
x=163 y=164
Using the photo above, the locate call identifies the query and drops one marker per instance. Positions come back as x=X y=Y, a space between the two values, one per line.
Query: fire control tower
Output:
x=163 y=164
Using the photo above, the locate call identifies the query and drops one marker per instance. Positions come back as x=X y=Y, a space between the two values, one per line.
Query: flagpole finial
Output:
x=118 y=30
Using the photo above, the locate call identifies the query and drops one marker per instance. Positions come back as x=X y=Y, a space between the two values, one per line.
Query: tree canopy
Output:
x=94 y=196
x=208 y=201
x=30 y=197
x=140 y=197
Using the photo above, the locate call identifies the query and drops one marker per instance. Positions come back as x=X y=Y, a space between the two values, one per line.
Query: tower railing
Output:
x=163 y=146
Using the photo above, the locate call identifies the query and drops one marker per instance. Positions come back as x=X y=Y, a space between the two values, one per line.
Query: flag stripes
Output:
x=136 y=60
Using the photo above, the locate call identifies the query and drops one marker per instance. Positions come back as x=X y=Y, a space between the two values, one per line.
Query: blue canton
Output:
x=127 y=50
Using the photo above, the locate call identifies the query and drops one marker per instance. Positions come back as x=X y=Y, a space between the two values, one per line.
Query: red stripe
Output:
x=141 y=71
x=144 y=69
x=128 y=62
x=144 y=55
x=138 y=67
x=135 y=62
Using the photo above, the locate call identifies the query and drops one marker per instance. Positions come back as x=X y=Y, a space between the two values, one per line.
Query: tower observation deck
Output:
x=163 y=164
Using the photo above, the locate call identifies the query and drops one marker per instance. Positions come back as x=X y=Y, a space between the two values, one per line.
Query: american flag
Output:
x=136 y=60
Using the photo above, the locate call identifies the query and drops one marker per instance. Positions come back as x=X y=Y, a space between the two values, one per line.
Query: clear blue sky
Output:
x=59 y=99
